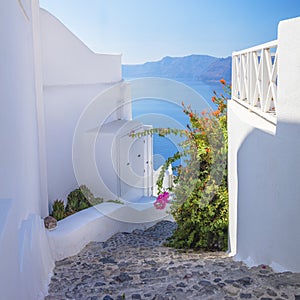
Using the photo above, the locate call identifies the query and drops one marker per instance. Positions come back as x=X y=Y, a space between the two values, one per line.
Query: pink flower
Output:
x=162 y=200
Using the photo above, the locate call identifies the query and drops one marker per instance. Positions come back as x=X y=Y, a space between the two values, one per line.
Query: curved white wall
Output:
x=264 y=169
x=25 y=260
x=66 y=60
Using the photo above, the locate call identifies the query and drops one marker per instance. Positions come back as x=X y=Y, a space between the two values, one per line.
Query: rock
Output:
x=188 y=276
x=204 y=282
x=245 y=281
x=231 y=290
x=151 y=263
x=158 y=297
x=208 y=290
x=285 y=296
x=136 y=297
x=123 y=277
x=138 y=231
x=230 y=281
x=153 y=273
x=258 y=293
x=107 y=297
x=271 y=293
x=50 y=223
x=85 y=277
x=99 y=283
x=171 y=287
x=181 y=284
x=108 y=260
x=245 y=296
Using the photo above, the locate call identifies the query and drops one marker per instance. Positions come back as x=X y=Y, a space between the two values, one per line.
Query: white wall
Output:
x=123 y=163
x=264 y=169
x=65 y=108
x=25 y=261
x=66 y=60
x=73 y=77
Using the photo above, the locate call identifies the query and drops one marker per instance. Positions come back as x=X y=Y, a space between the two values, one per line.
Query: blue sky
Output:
x=147 y=30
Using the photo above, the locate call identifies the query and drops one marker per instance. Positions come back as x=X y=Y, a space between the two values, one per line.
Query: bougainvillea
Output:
x=162 y=200
x=199 y=196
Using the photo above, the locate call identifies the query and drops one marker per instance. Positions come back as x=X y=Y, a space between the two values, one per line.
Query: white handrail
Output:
x=271 y=44
x=254 y=78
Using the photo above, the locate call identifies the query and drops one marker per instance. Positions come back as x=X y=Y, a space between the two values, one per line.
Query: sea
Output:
x=163 y=113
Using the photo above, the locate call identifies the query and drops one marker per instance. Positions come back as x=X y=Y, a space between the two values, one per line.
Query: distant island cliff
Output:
x=198 y=67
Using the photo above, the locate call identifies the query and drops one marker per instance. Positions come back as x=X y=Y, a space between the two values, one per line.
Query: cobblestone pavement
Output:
x=136 y=266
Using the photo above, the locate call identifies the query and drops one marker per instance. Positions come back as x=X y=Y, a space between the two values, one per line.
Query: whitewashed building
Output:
x=65 y=121
x=264 y=148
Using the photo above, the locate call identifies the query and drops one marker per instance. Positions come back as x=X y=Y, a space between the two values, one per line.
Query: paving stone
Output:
x=258 y=292
x=181 y=284
x=171 y=287
x=271 y=293
x=204 y=282
x=231 y=290
x=245 y=281
x=245 y=296
x=137 y=266
x=123 y=277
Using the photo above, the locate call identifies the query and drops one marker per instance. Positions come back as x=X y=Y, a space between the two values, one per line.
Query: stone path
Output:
x=136 y=266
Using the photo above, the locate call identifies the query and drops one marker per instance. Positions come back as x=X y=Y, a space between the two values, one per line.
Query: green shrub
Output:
x=200 y=205
x=78 y=200
x=200 y=196
x=58 y=210
x=202 y=225
x=89 y=196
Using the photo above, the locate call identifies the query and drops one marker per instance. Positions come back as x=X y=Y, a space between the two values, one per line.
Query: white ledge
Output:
x=264 y=115
x=98 y=224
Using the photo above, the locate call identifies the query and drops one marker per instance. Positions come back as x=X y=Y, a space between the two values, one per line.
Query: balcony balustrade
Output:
x=254 y=79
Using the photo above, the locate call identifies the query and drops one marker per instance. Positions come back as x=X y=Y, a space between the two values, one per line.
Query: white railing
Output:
x=254 y=79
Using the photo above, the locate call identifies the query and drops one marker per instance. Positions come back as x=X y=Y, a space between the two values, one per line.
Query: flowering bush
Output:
x=200 y=197
x=200 y=205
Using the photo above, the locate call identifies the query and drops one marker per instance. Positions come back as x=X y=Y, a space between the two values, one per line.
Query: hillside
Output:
x=198 y=67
